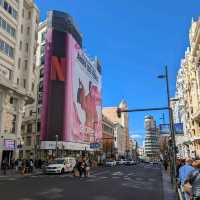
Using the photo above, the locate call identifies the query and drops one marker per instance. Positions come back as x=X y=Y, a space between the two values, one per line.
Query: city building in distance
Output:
x=151 y=145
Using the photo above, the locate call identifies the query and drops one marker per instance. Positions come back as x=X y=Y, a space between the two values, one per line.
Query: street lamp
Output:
x=172 y=131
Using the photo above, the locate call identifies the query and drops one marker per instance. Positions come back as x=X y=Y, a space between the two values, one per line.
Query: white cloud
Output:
x=137 y=136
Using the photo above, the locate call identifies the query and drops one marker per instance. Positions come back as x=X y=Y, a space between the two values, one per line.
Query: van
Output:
x=60 y=165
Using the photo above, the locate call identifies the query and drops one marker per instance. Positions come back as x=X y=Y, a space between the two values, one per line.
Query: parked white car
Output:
x=60 y=165
x=110 y=163
x=130 y=162
x=121 y=162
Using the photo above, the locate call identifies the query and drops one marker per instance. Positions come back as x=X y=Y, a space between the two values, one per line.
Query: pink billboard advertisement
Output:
x=83 y=110
x=71 y=95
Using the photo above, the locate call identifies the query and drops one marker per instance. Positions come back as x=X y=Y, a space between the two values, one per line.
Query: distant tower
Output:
x=124 y=121
x=151 y=145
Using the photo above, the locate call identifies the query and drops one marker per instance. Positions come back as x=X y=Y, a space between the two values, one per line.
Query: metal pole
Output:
x=36 y=122
x=163 y=118
x=171 y=128
x=56 y=145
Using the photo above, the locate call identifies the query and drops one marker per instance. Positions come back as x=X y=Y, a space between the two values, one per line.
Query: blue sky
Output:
x=134 y=40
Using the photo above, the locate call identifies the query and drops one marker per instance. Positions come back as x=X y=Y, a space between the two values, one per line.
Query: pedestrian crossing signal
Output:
x=119 y=112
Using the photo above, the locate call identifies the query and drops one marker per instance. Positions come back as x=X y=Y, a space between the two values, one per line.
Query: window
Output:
x=17 y=81
x=37 y=139
x=28 y=141
x=24 y=83
x=22 y=128
x=26 y=48
x=22 y=28
x=38 y=126
x=34 y=68
x=41 y=72
x=40 y=98
x=29 y=128
x=33 y=86
x=11 y=100
x=3 y=22
x=6 y=49
x=14 y=124
x=25 y=65
x=5 y=5
x=29 y=15
x=41 y=86
x=28 y=30
x=9 y=9
x=23 y=13
x=42 y=49
x=20 y=45
x=19 y=63
x=30 y=113
x=43 y=35
x=42 y=60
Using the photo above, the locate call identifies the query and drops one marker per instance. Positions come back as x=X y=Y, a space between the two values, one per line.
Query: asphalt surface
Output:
x=141 y=182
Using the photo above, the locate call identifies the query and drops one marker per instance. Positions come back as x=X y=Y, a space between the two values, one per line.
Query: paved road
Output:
x=141 y=182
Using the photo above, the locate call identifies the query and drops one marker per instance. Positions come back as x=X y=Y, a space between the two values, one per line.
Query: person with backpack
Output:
x=193 y=180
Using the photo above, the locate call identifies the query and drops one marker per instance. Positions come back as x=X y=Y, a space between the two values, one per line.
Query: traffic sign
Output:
x=95 y=145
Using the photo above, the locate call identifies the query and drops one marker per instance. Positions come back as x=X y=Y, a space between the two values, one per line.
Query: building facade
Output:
x=151 y=146
x=119 y=140
x=18 y=43
x=108 y=139
x=111 y=114
x=82 y=92
x=190 y=73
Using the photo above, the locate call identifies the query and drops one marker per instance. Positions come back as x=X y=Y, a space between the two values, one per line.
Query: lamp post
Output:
x=36 y=124
x=171 y=122
x=56 y=145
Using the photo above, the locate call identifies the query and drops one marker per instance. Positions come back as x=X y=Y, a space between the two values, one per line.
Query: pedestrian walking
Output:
x=79 y=167
x=184 y=171
x=165 y=164
x=20 y=165
x=193 y=181
x=4 y=166
x=87 y=169
x=23 y=168
x=83 y=167
x=31 y=165
x=16 y=165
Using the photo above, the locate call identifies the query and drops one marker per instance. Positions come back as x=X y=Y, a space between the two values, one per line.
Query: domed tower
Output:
x=124 y=121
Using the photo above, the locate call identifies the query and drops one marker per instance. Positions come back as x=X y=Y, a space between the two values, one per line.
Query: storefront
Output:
x=8 y=147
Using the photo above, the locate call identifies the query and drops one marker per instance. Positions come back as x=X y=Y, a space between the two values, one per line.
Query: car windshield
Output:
x=59 y=161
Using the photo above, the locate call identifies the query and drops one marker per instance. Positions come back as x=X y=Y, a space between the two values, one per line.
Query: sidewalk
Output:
x=11 y=173
x=169 y=192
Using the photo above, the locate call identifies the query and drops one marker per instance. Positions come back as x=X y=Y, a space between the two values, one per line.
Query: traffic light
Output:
x=119 y=112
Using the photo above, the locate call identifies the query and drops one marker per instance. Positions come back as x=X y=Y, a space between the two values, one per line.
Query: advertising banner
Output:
x=83 y=118
x=179 y=128
x=165 y=129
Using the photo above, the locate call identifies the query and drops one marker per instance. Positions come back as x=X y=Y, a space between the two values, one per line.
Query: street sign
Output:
x=179 y=128
x=165 y=129
x=95 y=145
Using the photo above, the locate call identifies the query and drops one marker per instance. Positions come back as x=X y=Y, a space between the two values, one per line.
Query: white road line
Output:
x=100 y=173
